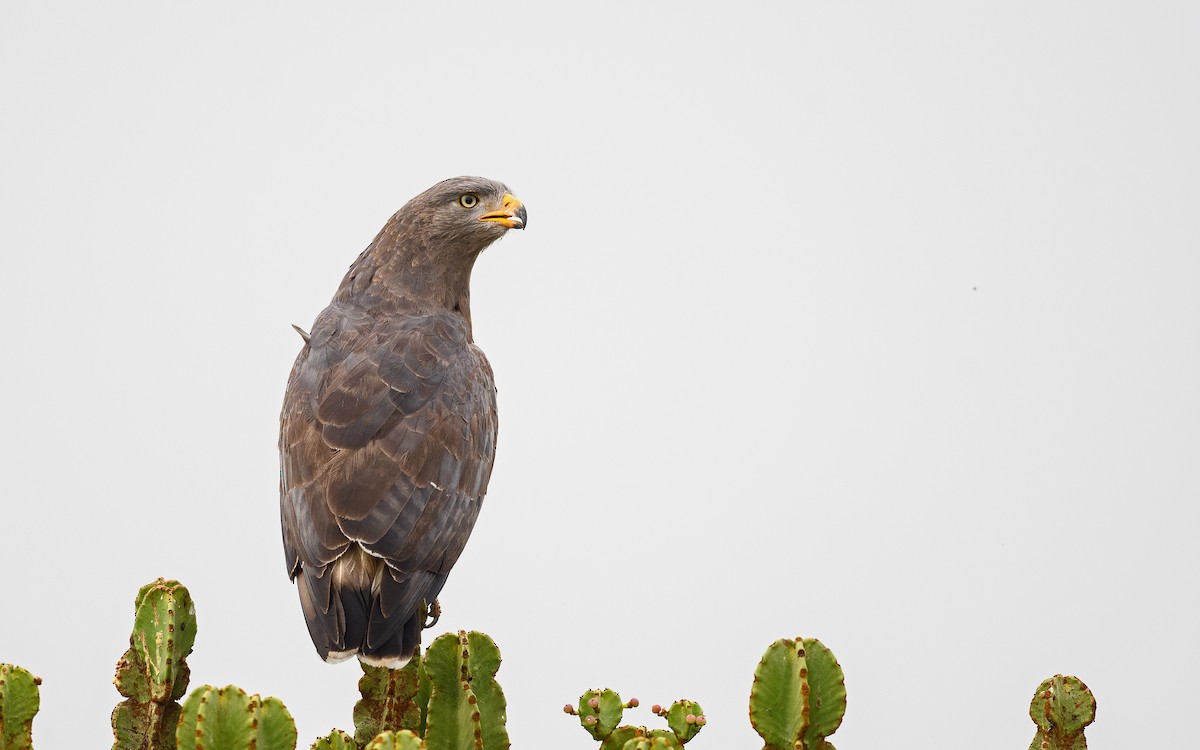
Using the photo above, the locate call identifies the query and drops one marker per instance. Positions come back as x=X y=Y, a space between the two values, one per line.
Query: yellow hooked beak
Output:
x=511 y=215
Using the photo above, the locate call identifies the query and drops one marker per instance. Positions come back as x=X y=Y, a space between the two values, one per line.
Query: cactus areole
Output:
x=388 y=429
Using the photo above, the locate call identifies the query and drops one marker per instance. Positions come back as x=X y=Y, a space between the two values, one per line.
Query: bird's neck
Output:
x=397 y=274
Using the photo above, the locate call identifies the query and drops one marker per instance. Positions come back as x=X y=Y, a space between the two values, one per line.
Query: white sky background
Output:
x=872 y=322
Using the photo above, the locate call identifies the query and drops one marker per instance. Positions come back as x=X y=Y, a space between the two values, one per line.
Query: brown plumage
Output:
x=388 y=428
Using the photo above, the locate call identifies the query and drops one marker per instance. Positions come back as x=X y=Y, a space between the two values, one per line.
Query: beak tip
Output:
x=512 y=214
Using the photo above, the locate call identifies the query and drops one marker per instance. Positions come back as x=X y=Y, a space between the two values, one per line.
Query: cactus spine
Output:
x=799 y=695
x=19 y=703
x=228 y=719
x=153 y=674
x=1061 y=708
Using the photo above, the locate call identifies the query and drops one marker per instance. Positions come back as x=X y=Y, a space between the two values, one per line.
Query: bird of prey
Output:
x=388 y=427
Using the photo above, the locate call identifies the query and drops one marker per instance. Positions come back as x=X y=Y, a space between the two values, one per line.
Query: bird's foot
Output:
x=433 y=613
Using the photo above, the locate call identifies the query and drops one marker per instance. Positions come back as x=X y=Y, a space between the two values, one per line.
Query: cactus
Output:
x=1061 y=708
x=153 y=673
x=685 y=718
x=600 y=711
x=228 y=719
x=402 y=740
x=424 y=690
x=466 y=706
x=450 y=697
x=450 y=700
x=654 y=739
x=799 y=695
x=335 y=740
x=622 y=736
x=387 y=701
x=19 y=703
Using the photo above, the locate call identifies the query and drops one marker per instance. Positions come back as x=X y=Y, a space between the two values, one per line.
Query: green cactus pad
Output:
x=600 y=720
x=148 y=726
x=276 y=728
x=164 y=630
x=655 y=739
x=335 y=740
x=827 y=693
x=1061 y=707
x=466 y=706
x=402 y=740
x=153 y=673
x=677 y=716
x=424 y=690
x=19 y=703
x=387 y=701
x=453 y=722
x=483 y=661
x=799 y=695
x=620 y=736
x=228 y=719
x=778 y=710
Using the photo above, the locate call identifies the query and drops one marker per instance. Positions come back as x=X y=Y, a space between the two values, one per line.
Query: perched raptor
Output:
x=388 y=427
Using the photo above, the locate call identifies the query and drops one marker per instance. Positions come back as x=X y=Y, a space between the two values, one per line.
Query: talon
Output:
x=433 y=613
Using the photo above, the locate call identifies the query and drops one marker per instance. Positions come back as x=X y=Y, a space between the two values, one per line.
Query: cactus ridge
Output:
x=827 y=694
x=482 y=662
x=19 y=703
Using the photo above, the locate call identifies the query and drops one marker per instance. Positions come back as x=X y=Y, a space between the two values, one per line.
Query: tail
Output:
x=359 y=606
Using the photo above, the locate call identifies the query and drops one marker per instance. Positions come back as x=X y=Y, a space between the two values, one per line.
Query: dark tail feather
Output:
x=356 y=608
x=399 y=647
x=337 y=618
x=384 y=629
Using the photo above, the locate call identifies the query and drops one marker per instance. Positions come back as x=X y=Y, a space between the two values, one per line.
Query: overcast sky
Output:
x=870 y=322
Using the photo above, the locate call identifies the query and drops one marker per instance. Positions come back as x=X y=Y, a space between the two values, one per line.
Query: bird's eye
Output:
x=468 y=200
